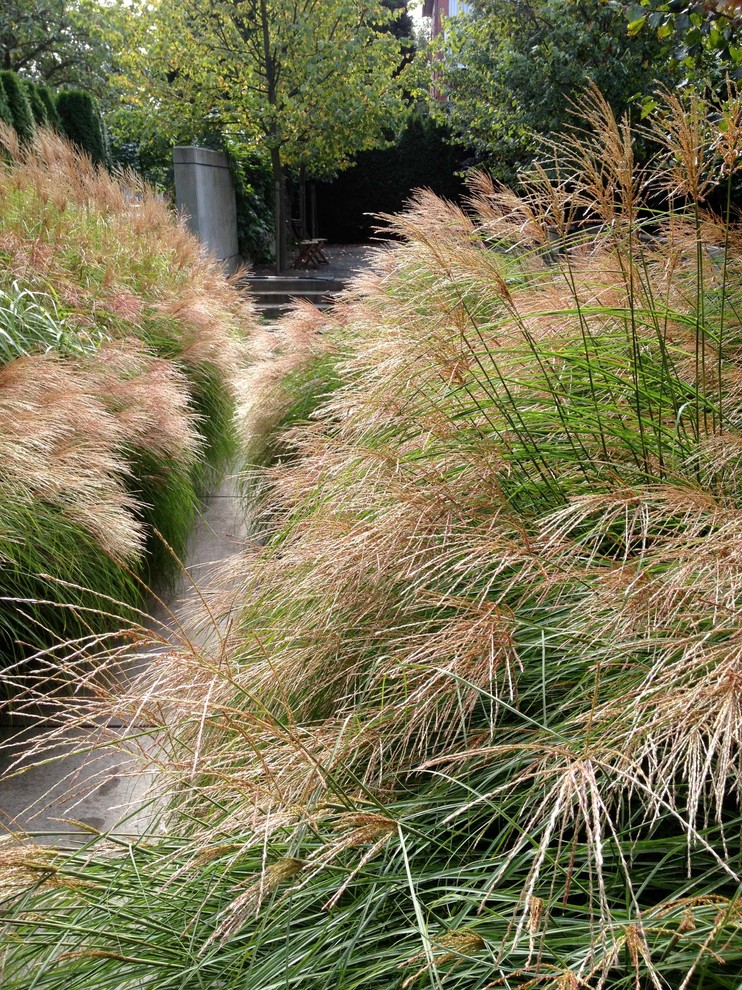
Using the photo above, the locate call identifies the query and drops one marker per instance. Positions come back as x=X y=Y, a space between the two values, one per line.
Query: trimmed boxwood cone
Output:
x=20 y=107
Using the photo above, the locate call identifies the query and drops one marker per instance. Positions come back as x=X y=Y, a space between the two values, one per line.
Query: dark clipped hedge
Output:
x=82 y=123
x=38 y=107
x=74 y=113
x=20 y=108
x=49 y=100
x=381 y=181
x=5 y=115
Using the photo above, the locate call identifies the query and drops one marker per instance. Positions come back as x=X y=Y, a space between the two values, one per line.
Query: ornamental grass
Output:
x=470 y=718
x=119 y=344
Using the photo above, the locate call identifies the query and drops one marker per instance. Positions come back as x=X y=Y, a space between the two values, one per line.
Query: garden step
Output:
x=291 y=283
x=274 y=294
x=273 y=313
x=281 y=297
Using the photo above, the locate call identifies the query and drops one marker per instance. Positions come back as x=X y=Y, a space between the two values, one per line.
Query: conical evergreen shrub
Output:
x=81 y=122
x=49 y=100
x=20 y=107
x=38 y=107
x=6 y=115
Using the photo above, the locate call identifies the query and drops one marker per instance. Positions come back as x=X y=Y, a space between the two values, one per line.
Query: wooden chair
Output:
x=311 y=253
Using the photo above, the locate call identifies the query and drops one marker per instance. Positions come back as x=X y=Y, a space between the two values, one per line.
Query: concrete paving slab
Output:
x=220 y=532
x=68 y=792
x=100 y=785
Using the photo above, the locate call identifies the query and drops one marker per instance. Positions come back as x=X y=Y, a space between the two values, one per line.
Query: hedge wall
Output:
x=5 y=114
x=81 y=122
x=381 y=181
x=38 y=107
x=26 y=105
x=20 y=108
x=47 y=97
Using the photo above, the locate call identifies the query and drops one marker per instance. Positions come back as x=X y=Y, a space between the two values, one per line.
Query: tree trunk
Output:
x=279 y=192
x=303 y=203
x=313 y=209
x=273 y=134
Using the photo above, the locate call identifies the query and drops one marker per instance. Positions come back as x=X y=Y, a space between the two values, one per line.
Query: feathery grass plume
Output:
x=291 y=372
x=66 y=509
x=58 y=442
x=471 y=717
x=119 y=344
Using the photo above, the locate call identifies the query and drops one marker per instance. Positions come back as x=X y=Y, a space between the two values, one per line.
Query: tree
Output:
x=59 y=42
x=510 y=71
x=310 y=81
x=705 y=38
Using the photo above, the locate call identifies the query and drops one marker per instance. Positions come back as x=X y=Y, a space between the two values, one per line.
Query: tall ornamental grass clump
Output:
x=291 y=372
x=475 y=719
x=119 y=344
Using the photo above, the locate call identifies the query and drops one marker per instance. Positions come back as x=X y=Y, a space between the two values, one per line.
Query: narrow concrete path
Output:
x=48 y=798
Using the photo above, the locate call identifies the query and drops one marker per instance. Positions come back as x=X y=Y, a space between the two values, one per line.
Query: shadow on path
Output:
x=47 y=798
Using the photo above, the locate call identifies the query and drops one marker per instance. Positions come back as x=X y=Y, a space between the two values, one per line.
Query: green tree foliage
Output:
x=510 y=70
x=82 y=123
x=705 y=38
x=38 y=107
x=60 y=42
x=20 y=106
x=311 y=83
x=251 y=174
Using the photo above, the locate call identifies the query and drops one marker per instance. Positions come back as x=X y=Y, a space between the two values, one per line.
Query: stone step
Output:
x=290 y=283
x=278 y=297
x=274 y=294
x=273 y=313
